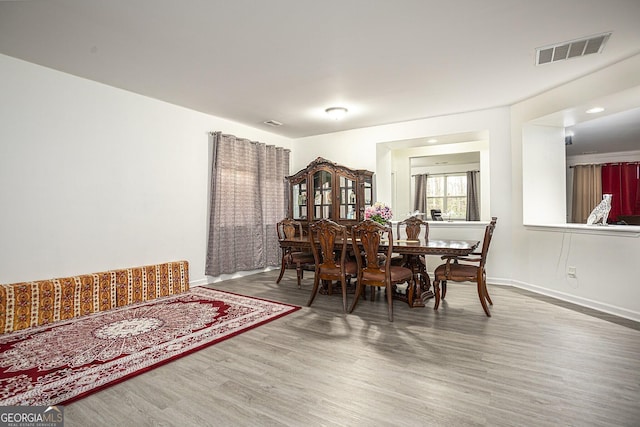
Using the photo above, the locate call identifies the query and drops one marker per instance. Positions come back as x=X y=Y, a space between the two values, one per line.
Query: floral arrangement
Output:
x=379 y=212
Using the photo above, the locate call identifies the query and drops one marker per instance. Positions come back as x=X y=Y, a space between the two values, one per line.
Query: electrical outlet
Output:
x=571 y=272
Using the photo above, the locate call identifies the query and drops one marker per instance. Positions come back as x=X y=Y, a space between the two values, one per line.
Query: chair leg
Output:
x=300 y=274
x=314 y=291
x=484 y=283
x=412 y=291
x=343 y=282
x=482 y=295
x=390 y=301
x=436 y=291
x=329 y=285
x=444 y=289
x=486 y=294
x=282 y=268
x=356 y=296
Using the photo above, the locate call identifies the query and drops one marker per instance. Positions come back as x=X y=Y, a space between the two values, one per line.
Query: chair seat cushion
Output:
x=398 y=274
x=350 y=268
x=456 y=272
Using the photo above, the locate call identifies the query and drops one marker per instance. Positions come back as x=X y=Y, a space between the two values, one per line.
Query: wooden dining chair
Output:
x=466 y=269
x=414 y=229
x=293 y=257
x=328 y=241
x=366 y=240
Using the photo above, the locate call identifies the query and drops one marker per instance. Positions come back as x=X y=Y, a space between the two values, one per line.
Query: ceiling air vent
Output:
x=571 y=49
x=273 y=123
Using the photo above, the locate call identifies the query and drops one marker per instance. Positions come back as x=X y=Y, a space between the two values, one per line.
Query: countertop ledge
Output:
x=602 y=230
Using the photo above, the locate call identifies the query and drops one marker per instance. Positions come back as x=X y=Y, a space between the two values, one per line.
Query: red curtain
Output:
x=622 y=180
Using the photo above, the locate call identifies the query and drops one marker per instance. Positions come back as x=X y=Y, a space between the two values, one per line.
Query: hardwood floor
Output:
x=536 y=362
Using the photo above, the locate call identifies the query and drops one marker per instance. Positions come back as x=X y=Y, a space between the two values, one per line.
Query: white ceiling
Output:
x=446 y=159
x=609 y=134
x=287 y=60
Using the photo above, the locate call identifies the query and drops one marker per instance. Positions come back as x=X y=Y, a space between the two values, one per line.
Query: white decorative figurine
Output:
x=600 y=213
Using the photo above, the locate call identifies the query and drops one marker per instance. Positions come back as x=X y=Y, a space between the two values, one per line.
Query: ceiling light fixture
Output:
x=595 y=110
x=432 y=141
x=336 y=113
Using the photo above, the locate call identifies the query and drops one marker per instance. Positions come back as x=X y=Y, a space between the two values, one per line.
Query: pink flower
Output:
x=379 y=212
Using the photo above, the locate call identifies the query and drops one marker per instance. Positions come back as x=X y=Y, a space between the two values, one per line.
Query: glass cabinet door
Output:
x=368 y=192
x=347 y=199
x=326 y=190
x=300 y=200
x=322 y=202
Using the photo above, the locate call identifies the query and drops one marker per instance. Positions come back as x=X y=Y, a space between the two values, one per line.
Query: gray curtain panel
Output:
x=587 y=191
x=248 y=198
x=420 y=199
x=473 y=196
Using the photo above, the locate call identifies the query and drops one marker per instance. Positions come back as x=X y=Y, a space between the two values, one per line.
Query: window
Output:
x=448 y=193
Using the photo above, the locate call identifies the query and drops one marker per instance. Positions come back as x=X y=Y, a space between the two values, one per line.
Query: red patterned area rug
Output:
x=68 y=360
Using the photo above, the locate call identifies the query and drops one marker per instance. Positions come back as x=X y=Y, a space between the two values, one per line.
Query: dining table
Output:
x=412 y=252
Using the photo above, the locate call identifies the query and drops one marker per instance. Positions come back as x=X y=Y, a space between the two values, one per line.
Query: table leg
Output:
x=421 y=291
x=427 y=292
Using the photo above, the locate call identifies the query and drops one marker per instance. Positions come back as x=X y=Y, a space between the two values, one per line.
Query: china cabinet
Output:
x=325 y=189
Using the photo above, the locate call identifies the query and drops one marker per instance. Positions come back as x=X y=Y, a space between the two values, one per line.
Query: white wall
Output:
x=94 y=178
x=605 y=280
x=543 y=175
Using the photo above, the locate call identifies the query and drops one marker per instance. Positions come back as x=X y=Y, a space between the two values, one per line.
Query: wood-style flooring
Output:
x=536 y=362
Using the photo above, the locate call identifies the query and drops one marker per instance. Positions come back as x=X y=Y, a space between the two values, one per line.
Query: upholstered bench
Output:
x=27 y=304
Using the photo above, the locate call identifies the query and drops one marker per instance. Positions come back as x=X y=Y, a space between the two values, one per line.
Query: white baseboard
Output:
x=201 y=282
x=210 y=279
x=584 y=302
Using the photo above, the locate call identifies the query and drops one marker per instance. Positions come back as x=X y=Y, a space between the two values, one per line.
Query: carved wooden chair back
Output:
x=368 y=235
x=323 y=235
x=289 y=228
x=488 y=234
x=292 y=257
x=413 y=227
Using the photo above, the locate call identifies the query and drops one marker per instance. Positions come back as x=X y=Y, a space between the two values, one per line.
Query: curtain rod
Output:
x=605 y=164
x=212 y=133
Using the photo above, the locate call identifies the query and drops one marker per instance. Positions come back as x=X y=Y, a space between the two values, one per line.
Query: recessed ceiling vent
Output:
x=571 y=49
x=273 y=123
